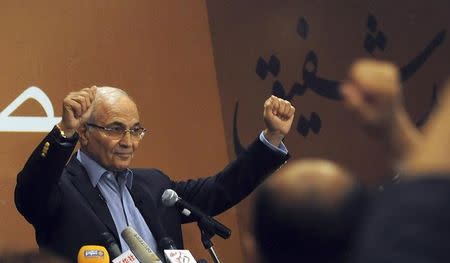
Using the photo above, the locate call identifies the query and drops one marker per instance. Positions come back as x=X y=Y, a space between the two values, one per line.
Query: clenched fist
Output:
x=75 y=105
x=373 y=92
x=278 y=117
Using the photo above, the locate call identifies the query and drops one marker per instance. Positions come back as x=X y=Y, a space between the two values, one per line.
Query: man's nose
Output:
x=126 y=139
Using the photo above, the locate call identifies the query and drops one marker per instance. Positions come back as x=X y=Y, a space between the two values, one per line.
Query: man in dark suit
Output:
x=72 y=205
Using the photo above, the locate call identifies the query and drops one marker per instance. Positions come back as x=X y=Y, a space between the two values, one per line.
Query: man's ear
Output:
x=82 y=132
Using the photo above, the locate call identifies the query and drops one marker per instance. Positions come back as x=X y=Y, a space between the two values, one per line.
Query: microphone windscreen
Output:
x=93 y=254
x=138 y=246
x=169 y=197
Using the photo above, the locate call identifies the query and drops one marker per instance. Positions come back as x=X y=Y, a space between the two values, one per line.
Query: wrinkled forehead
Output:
x=120 y=110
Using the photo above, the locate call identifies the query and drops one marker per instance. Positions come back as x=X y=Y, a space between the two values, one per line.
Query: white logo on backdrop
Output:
x=10 y=123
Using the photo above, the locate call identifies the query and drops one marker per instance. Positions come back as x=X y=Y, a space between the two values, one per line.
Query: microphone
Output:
x=115 y=252
x=111 y=244
x=93 y=254
x=178 y=256
x=174 y=255
x=170 y=198
x=166 y=243
x=138 y=246
x=126 y=257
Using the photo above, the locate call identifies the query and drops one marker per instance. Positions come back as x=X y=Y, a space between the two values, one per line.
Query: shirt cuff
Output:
x=281 y=149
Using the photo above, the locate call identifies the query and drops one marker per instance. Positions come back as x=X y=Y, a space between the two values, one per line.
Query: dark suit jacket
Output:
x=408 y=223
x=67 y=212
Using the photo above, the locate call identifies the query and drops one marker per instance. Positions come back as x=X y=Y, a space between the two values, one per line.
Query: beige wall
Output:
x=159 y=51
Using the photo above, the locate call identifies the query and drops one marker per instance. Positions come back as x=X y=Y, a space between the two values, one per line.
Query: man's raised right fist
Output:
x=75 y=105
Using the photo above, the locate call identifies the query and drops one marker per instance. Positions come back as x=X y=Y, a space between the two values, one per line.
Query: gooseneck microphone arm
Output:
x=208 y=225
x=207 y=232
x=170 y=198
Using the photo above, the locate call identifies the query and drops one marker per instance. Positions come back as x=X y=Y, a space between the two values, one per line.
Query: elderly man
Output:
x=72 y=201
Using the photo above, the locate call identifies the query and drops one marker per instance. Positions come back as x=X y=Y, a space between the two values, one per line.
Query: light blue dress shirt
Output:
x=119 y=200
x=281 y=149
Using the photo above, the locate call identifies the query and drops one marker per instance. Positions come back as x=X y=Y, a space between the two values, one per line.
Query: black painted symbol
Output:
x=297 y=89
x=329 y=88
x=302 y=28
x=263 y=68
x=326 y=88
x=409 y=69
x=278 y=90
x=374 y=38
x=424 y=118
x=304 y=125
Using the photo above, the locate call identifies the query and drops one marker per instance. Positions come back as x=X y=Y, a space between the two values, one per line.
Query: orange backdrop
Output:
x=159 y=51
x=187 y=64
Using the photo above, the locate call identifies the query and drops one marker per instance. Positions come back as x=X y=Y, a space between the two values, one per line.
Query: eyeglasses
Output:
x=118 y=132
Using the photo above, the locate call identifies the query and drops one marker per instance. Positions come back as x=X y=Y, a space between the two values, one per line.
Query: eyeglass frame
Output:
x=108 y=130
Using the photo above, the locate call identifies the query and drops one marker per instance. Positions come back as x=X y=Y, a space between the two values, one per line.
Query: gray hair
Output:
x=109 y=95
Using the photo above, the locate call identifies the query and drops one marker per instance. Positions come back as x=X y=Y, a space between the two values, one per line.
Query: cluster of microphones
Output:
x=139 y=251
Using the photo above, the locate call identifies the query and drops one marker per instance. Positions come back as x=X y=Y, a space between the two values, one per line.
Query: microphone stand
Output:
x=207 y=232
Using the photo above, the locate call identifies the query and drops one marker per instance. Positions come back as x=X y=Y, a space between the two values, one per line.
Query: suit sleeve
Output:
x=36 y=192
x=408 y=222
x=220 y=192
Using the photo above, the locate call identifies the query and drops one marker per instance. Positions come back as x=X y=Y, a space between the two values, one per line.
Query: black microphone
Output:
x=166 y=243
x=111 y=244
x=170 y=198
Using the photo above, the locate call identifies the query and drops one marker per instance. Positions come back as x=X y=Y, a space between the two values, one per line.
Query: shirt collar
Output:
x=95 y=171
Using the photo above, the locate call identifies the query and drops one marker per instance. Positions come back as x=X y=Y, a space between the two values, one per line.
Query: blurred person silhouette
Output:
x=309 y=211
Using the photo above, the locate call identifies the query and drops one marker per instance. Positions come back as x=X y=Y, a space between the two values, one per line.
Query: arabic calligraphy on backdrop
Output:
x=9 y=123
x=375 y=39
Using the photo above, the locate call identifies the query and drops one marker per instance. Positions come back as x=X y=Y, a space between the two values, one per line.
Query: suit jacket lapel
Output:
x=147 y=206
x=92 y=195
